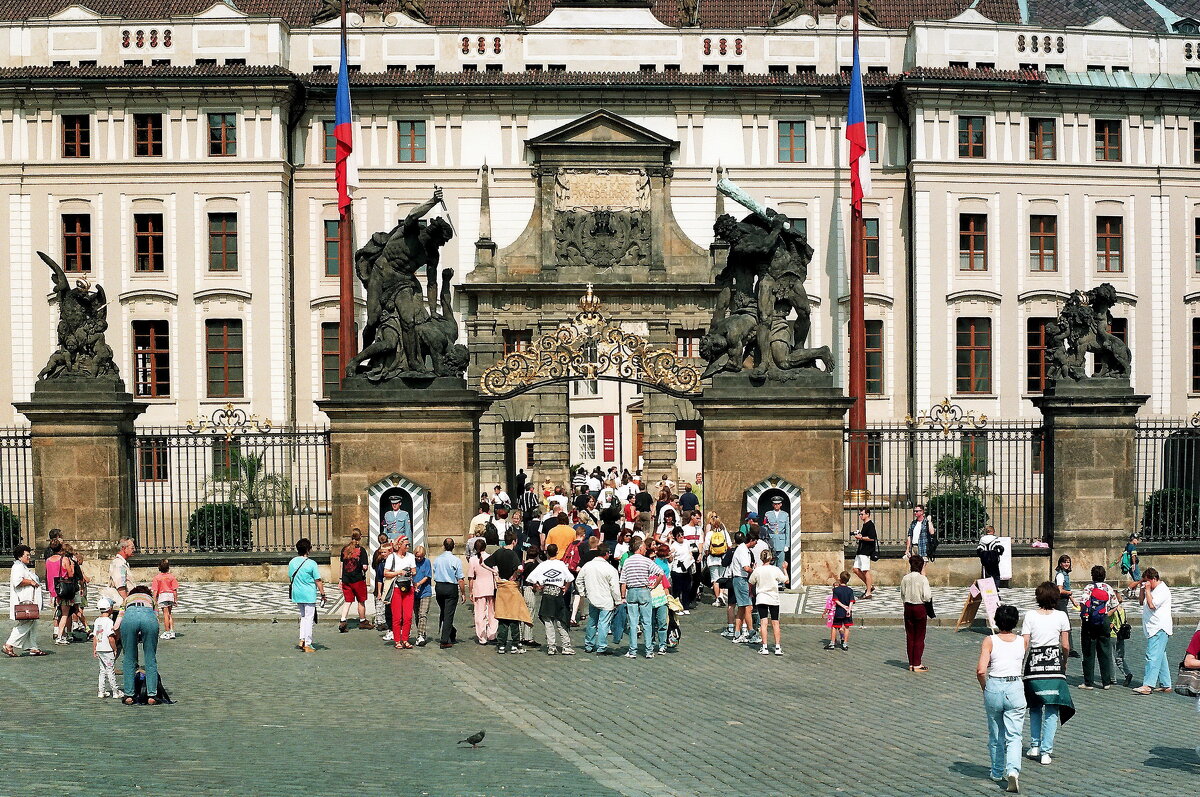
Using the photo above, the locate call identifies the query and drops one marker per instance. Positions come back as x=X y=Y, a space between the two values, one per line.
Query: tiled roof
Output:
x=165 y=74
x=732 y=14
x=922 y=73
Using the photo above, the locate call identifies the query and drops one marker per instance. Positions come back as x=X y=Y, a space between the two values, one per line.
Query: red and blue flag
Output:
x=856 y=134
x=345 y=166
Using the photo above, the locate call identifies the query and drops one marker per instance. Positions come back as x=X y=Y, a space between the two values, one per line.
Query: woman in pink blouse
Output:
x=483 y=595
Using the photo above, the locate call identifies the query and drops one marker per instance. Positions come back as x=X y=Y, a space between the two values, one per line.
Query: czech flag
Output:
x=856 y=134
x=345 y=167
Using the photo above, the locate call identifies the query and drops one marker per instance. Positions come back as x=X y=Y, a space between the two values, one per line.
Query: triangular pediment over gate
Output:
x=602 y=132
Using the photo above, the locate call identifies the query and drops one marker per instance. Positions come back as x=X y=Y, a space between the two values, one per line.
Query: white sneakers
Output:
x=167 y=635
x=1035 y=754
x=778 y=650
x=741 y=639
x=763 y=650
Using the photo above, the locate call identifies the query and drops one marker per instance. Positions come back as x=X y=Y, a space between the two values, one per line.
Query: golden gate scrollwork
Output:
x=590 y=347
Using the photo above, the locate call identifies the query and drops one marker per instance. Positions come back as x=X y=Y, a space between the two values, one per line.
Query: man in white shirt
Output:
x=499 y=497
x=743 y=565
x=479 y=522
x=593 y=485
x=118 y=571
x=600 y=584
x=1155 y=598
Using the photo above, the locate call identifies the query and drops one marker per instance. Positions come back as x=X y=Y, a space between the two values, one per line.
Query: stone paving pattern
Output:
x=257 y=717
x=258 y=599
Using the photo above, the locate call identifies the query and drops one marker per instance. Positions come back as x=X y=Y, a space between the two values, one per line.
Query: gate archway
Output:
x=590 y=346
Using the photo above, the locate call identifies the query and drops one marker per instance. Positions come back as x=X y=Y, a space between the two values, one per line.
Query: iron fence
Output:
x=967 y=477
x=1167 y=491
x=16 y=488
x=259 y=491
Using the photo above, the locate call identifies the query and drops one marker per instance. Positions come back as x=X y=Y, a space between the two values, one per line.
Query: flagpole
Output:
x=858 y=340
x=347 y=340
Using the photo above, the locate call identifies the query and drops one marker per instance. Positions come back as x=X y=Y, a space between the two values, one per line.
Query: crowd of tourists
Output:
x=127 y=615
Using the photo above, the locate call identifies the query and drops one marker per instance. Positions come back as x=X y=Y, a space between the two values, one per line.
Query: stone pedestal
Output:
x=794 y=432
x=82 y=463
x=1090 y=466
x=427 y=433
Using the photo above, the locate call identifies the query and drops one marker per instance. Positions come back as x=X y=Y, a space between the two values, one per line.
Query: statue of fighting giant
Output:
x=82 y=321
x=762 y=312
x=408 y=334
x=1084 y=326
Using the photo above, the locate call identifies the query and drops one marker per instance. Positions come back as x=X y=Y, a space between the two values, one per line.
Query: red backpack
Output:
x=1095 y=608
x=571 y=557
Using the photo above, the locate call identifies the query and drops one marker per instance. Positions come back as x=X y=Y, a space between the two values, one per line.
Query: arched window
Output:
x=587 y=442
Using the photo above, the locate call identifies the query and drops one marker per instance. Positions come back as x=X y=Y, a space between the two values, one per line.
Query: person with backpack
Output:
x=1098 y=598
x=715 y=546
x=1131 y=565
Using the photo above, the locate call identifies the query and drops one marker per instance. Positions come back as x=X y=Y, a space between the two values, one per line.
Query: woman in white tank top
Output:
x=1001 y=661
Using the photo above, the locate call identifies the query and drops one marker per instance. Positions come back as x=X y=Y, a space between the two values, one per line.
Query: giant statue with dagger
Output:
x=762 y=316
x=82 y=321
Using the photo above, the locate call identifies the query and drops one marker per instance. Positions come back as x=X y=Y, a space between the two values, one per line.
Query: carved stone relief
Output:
x=602 y=217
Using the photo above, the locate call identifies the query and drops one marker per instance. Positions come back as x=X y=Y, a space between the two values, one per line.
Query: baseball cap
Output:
x=751 y=516
x=104 y=604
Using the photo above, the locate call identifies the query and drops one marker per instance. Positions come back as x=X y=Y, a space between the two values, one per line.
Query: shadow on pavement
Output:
x=897 y=663
x=970 y=770
x=1180 y=758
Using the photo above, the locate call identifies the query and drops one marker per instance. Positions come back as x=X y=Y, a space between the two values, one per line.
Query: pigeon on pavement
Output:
x=473 y=740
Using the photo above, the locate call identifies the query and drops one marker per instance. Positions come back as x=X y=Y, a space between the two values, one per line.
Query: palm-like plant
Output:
x=245 y=481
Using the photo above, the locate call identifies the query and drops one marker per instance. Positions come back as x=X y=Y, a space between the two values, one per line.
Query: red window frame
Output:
x=147 y=135
x=151 y=358
x=874 y=356
x=871 y=245
x=1108 y=139
x=411 y=140
x=77 y=242
x=1043 y=243
x=973 y=355
x=225 y=362
x=222 y=135
x=76 y=135
x=222 y=242
x=972 y=137
x=972 y=242
x=793 y=142
x=1110 y=244
x=148 y=243
x=1043 y=140
x=1035 y=355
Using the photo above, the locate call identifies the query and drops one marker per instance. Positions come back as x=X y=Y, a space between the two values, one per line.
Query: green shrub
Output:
x=219 y=527
x=1170 y=514
x=957 y=516
x=10 y=530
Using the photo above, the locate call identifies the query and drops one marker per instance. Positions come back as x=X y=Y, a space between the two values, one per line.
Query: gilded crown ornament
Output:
x=950 y=417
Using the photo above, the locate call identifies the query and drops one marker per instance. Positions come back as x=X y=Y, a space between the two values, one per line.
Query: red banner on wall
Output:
x=610 y=438
x=689 y=445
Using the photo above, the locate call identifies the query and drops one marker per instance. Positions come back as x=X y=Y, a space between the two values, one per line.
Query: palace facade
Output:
x=1020 y=151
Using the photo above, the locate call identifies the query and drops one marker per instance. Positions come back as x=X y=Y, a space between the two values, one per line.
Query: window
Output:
x=331 y=248
x=330 y=149
x=874 y=454
x=1109 y=245
x=975 y=453
x=225 y=459
x=792 y=142
x=1037 y=453
x=516 y=340
x=76 y=135
x=494 y=67
x=1196 y=355
x=874 y=357
x=151 y=359
x=777 y=69
x=148 y=135
x=222 y=242
x=687 y=342
x=412 y=141
x=973 y=355
x=1043 y=243
x=1028 y=67
x=235 y=62
x=971 y=137
x=871 y=245
x=587 y=441
x=322 y=68
x=222 y=134
x=148 y=242
x=1196 y=243
x=873 y=141
x=647 y=68
x=470 y=67
x=556 y=67
x=152 y=459
x=223 y=340
x=77 y=242
x=972 y=242
x=584 y=388
x=985 y=65
x=1042 y=142
x=331 y=372
x=959 y=64
x=806 y=69
x=1108 y=139
x=1195 y=142
x=735 y=68
x=1119 y=329
x=711 y=68
x=1035 y=354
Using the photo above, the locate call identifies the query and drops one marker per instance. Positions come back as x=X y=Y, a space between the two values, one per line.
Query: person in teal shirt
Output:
x=658 y=601
x=304 y=584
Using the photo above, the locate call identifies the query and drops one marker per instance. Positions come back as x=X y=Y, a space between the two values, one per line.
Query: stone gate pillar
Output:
x=751 y=433
x=428 y=435
x=1090 y=466
x=82 y=463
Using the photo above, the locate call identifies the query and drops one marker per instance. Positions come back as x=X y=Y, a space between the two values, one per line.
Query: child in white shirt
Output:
x=102 y=649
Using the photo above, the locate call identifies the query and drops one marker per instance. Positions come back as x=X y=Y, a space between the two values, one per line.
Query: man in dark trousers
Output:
x=520 y=481
x=449 y=587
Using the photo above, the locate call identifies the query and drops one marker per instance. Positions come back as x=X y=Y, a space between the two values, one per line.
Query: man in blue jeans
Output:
x=599 y=584
x=635 y=590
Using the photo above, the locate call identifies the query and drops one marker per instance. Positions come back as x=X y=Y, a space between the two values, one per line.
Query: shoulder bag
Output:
x=1187 y=682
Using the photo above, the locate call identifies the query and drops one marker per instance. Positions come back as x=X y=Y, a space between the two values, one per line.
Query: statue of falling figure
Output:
x=762 y=288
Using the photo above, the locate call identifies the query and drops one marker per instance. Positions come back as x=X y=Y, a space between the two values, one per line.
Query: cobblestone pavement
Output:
x=257 y=599
x=257 y=717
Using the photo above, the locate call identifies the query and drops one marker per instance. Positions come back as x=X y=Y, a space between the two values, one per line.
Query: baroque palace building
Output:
x=180 y=154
